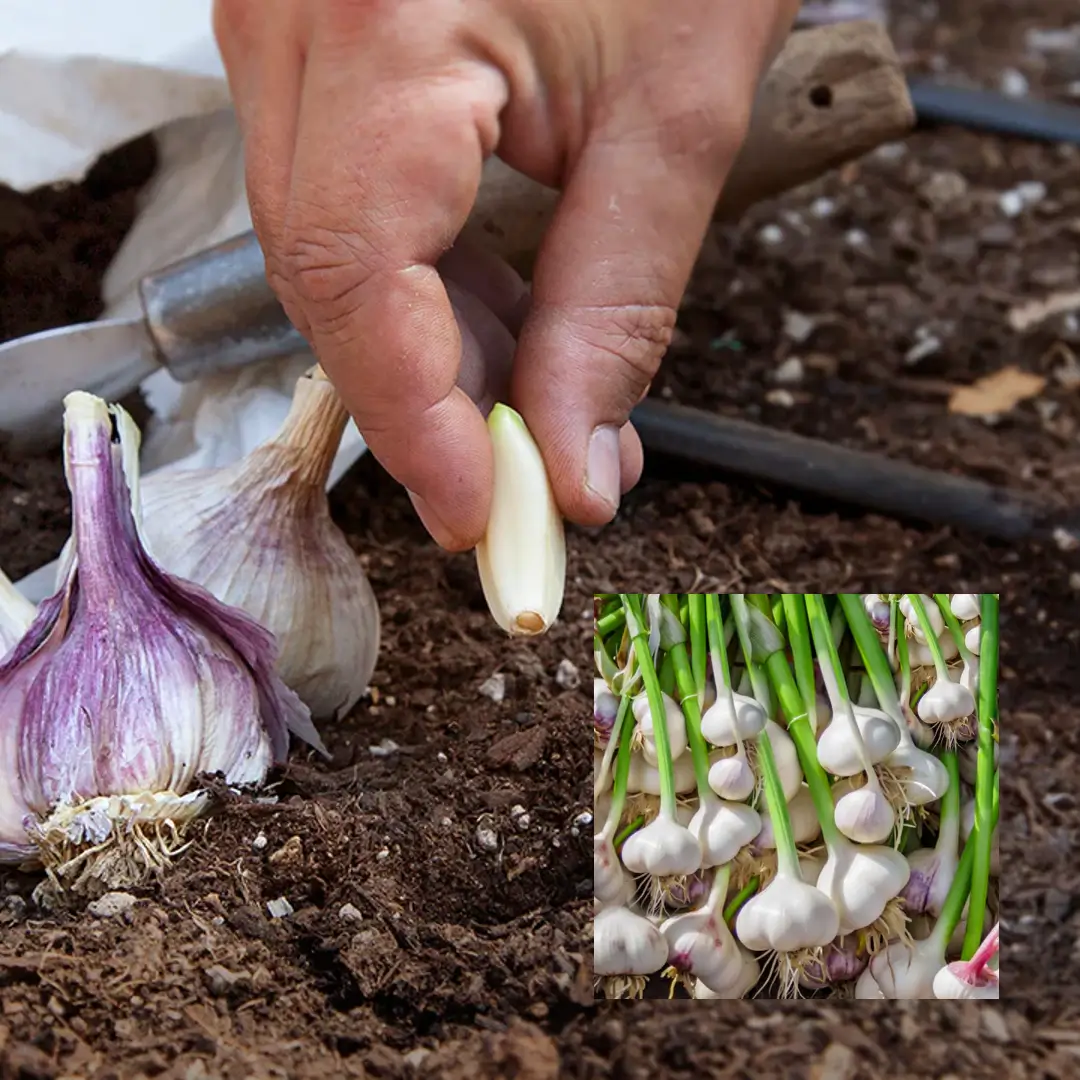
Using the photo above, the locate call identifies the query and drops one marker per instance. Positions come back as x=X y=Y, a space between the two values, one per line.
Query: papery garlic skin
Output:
x=258 y=535
x=16 y=615
x=522 y=557
x=130 y=682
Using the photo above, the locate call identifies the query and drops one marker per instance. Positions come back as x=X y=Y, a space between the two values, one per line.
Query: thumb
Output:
x=608 y=280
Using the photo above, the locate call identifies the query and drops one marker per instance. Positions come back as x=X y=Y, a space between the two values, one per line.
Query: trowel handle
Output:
x=215 y=311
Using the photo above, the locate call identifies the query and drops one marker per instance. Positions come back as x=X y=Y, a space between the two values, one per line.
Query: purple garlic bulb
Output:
x=605 y=709
x=128 y=685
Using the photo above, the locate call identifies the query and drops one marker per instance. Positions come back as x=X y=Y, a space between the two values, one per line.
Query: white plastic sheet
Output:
x=80 y=78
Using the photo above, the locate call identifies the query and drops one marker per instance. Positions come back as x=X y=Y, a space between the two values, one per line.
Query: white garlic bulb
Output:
x=522 y=557
x=259 y=536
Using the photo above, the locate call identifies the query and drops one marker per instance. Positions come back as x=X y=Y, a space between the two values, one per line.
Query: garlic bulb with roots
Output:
x=786 y=916
x=701 y=945
x=676 y=727
x=733 y=718
x=128 y=685
x=723 y=829
x=645 y=778
x=522 y=556
x=732 y=778
x=258 y=535
x=865 y=815
x=838 y=752
x=860 y=880
x=627 y=948
x=945 y=702
x=915 y=630
x=16 y=615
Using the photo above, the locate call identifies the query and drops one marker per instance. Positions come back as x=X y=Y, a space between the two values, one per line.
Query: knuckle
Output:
x=635 y=336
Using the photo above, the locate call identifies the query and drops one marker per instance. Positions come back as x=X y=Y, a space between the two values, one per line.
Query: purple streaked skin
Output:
x=688 y=893
x=842 y=963
x=80 y=695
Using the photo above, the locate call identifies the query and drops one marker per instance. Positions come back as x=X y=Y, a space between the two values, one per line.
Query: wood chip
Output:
x=521 y=750
x=1027 y=315
x=996 y=393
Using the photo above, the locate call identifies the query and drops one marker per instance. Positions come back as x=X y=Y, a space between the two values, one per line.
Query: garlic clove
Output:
x=16 y=615
x=522 y=557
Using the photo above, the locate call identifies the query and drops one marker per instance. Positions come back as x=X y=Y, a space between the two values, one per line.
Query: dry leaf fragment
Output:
x=996 y=393
x=1024 y=316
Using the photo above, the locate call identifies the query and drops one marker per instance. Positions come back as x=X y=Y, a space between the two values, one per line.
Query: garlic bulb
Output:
x=129 y=683
x=626 y=944
x=661 y=848
x=748 y=977
x=860 y=880
x=840 y=755
x=933 y=614
x=645 y=778
x=728 y=720
x=972 y=637
x=787 y=915
x=700 y=944
x=732 y=778
x=259 y=536
x=16 y=615
x=609 y=879
x=723 y=829
x=804 y=821
x=865 y=815
x=522 y=557
x=964 y=606
x=676 y=727
x=950 y=982
x=787 y=759
x=945 y=702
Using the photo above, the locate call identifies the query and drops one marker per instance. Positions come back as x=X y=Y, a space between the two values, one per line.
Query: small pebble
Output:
x=823 y=208
x=1010 y=203
x=783 y=398
x=386 y=748
x=382 y=853
x=790 y=372
x=494 y=687
x=415 y=1058
x=441 y=758
x=111 y=904
x=893 y=151
x=856 y=238
x=487 y=839
x=1032 y=192
x=279 y=908
x=798 y=326
x=926 y=345
x=1065 y=539
x=584 y=819
x=520 y=817
x=771 y=235
x=260 y=842
x=567 y=675
x=1014 y=83
x=349 y=913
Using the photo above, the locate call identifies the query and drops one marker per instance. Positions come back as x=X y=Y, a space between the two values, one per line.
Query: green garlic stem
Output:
x=684 y=679
x=802 y=653
x=622 y=768
x=873 y=656
x=740 y=898
x=953 y=624
x=986 y=779
x=719 y=888
x=698 y=647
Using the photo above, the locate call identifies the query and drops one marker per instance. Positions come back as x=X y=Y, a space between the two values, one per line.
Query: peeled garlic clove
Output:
x=16 y=615
x=258 y=534
x=522 y=557
x=129 y=684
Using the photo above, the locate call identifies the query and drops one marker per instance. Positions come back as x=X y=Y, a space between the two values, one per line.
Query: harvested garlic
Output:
x=522 y=557
x=16 y=615
x=128 y=685
x=258 y=534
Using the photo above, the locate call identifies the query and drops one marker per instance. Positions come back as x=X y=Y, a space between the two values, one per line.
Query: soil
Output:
x=456 y=960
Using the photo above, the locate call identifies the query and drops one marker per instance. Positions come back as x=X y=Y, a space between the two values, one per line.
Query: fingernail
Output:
x=602 y=473
x=432 y=522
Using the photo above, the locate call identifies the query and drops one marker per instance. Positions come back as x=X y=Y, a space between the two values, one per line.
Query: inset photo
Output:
x=796 y=795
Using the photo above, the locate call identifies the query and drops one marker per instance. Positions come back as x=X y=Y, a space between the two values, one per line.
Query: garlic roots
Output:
x=258 y=535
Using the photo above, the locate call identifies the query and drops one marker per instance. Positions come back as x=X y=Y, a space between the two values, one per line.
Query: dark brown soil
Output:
x=463 y=962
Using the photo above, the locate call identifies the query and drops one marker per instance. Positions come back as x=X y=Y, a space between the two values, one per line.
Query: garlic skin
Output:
x=860 y=880
x=838 y=752
x=933 y=614
x=16 y=615
x=258 y=535
x=787 y=915
x=921 y=656
x=723 y=829
x=865 y=816
x=972 y=638
x=928 y=779
x=662 y=848
x=128 y=684
x=674 y=720
x=626 y=944
x=609 y=878
x=945 y=702
x=522 y=557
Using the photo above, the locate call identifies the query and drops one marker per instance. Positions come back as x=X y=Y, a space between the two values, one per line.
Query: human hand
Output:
x=366 y=125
